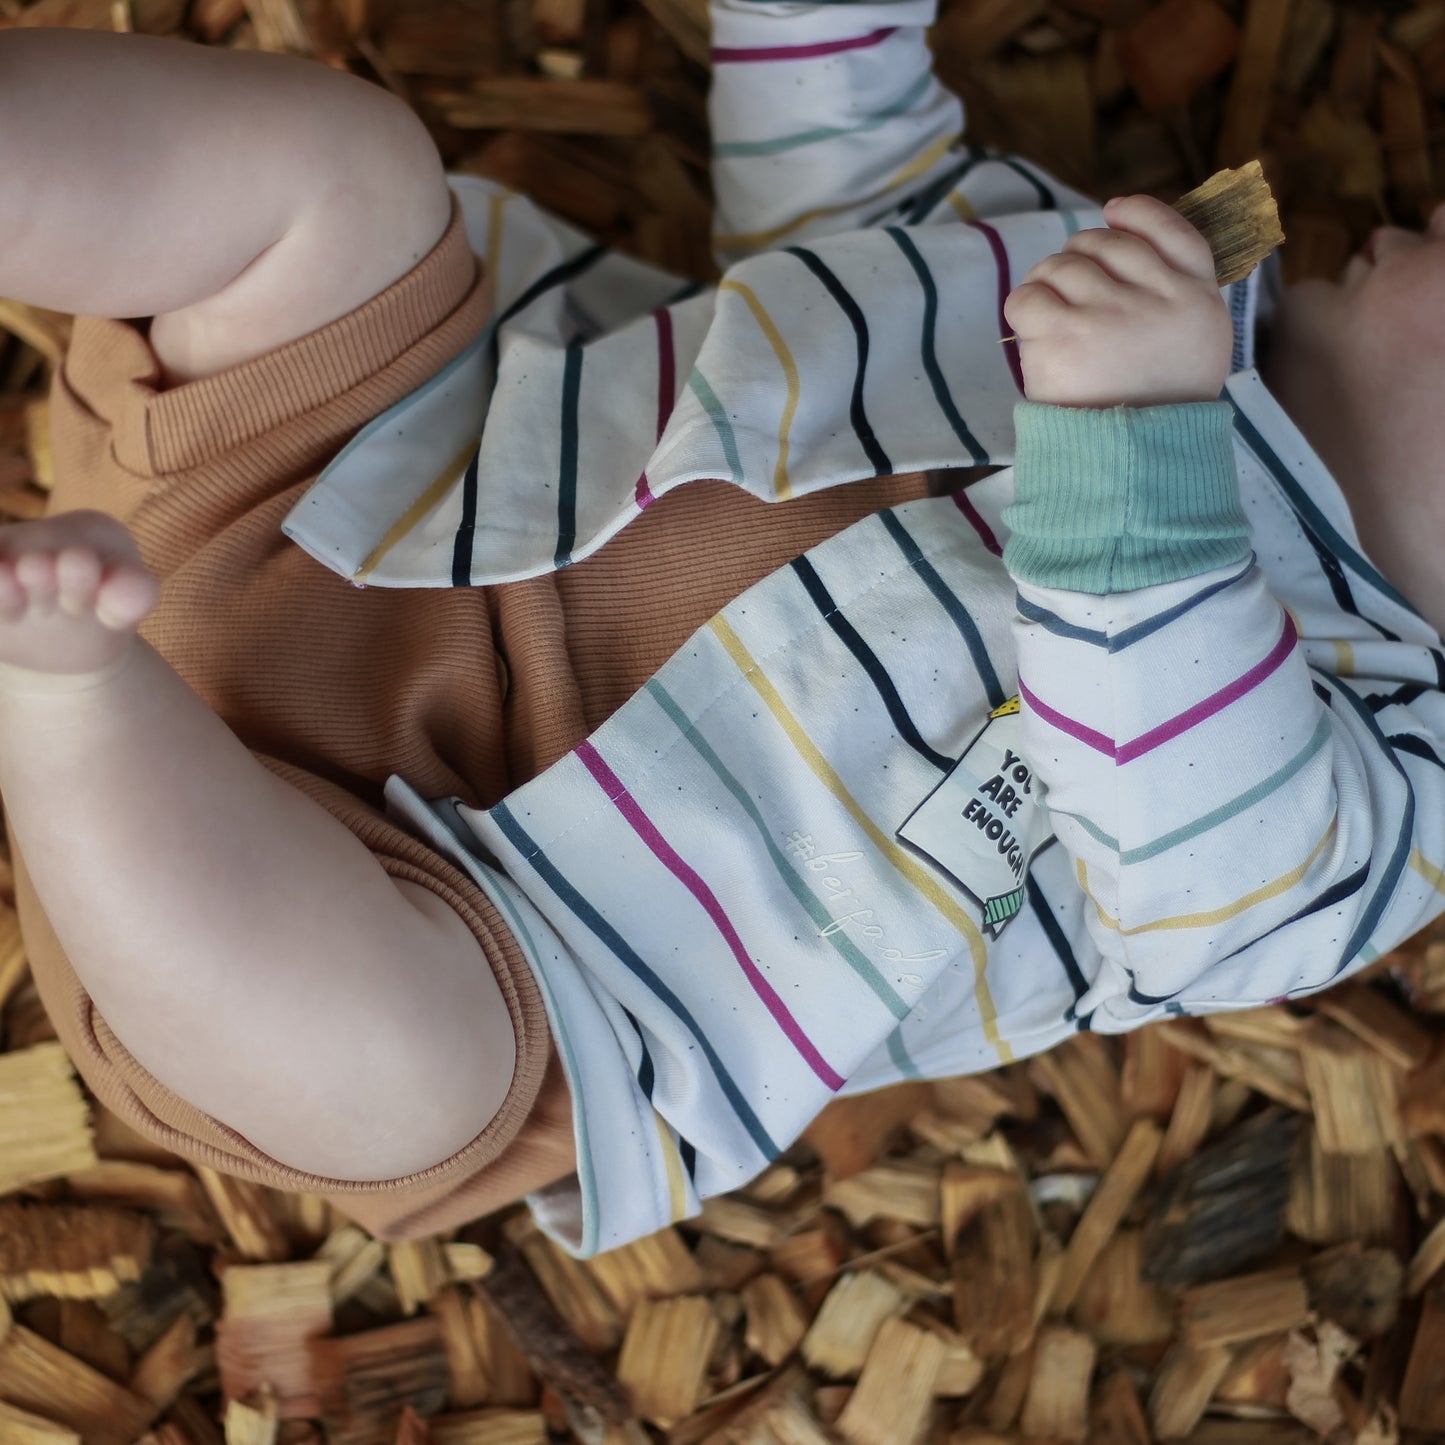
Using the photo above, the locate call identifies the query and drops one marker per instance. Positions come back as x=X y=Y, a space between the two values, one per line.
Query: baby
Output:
x=595 y=844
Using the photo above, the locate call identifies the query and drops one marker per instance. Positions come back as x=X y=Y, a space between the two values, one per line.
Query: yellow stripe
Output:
x=676 y=1191
x=962 y=209
x=1427 y=870
x=781 y=485
x=417 y=510
x=1344 y=658
x=1218 y=915
x=429 y=498
x=901 y=861
x=753 y=240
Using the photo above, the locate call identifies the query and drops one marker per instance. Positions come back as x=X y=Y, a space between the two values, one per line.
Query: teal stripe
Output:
x=1246 y=799
x=826 y=132
x=899 y=1055
x=1070 y=220
x=586 y=1179
x=850 y=951
x=705 y=394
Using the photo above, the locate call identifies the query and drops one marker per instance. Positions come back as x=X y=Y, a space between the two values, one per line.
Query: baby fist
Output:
x=1124 y=316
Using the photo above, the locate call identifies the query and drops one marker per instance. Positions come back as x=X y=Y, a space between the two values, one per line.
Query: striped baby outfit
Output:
x=1235 y=718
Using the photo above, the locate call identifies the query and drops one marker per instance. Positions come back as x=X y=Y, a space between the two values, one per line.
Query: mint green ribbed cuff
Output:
x=1108 y=500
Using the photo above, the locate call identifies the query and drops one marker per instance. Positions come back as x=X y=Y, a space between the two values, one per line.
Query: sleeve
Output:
x=332 y=688
x=1245 y=823
x=824 y=116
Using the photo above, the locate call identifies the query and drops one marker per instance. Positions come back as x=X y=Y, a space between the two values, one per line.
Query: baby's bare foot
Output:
x=73 y=590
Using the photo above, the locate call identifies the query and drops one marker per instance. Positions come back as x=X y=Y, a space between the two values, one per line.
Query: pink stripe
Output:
x=1178 y=725
x=666 y=394
x=647 y=831
x=1098 y=741
x=1005 y=285
x=725 y=54
x=1211 y=705
x=976 y=521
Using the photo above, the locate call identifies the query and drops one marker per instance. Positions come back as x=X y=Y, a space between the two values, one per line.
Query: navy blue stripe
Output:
x=1402 y=696
x=1135 y=996
x=627 y=956
x=930 y=357
x=1416 y=747
x=646 y=1081
x=1399 y=859
x=559 y=274
x=1047 y=200
x=567 y=466
x=927 y=199
x=867 y=659
x=882 y=467
x=1337 y=892
x=466 y=531
x=645 y=1072
x=951 y=604
x=1316 y=525
x=1052 y=622
x=1058 y=941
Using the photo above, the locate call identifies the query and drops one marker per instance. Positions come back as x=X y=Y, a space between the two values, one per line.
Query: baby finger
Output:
x=1178 y=242
x=1078 y=279
x=1032 y=307
x=1126 y=258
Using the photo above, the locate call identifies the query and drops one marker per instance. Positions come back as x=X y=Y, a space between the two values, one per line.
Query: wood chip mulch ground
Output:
x=1229 y=1231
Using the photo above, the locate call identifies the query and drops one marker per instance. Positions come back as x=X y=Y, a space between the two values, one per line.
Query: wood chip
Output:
x=271 y=1313
x=1081 y=1076
x=776 y=1321
x=1057 y=1404
x=44 y=1123
x=1183 y=1388
x=70 y=1252
x=993 y=1277
x=20 y=1427
x=1113 y=1199
x=665 y=1355
x=38 y=1377
x=1422 y=1395
x=845 y=1327
x=248 y=1215
x=890 y=1405
x=899 y=1191
x=1244 y=1308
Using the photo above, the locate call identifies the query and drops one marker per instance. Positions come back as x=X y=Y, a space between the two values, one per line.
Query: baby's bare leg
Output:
x=242 y=199
x=241 y=942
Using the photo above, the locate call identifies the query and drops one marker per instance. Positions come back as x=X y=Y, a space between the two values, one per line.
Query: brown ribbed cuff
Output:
x=189 y=425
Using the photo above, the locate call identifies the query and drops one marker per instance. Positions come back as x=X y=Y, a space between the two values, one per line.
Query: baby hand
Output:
x=1128 y=316
x=73 y=590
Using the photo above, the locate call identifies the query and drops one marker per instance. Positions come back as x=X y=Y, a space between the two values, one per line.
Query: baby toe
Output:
x=35 y=572
x=125 y=597
x=77 y=578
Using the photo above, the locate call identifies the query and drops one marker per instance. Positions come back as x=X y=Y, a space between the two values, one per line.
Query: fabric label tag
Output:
x=985 y=821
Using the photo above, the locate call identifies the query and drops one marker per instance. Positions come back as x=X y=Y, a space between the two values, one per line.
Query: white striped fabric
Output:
x=1244 y=767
